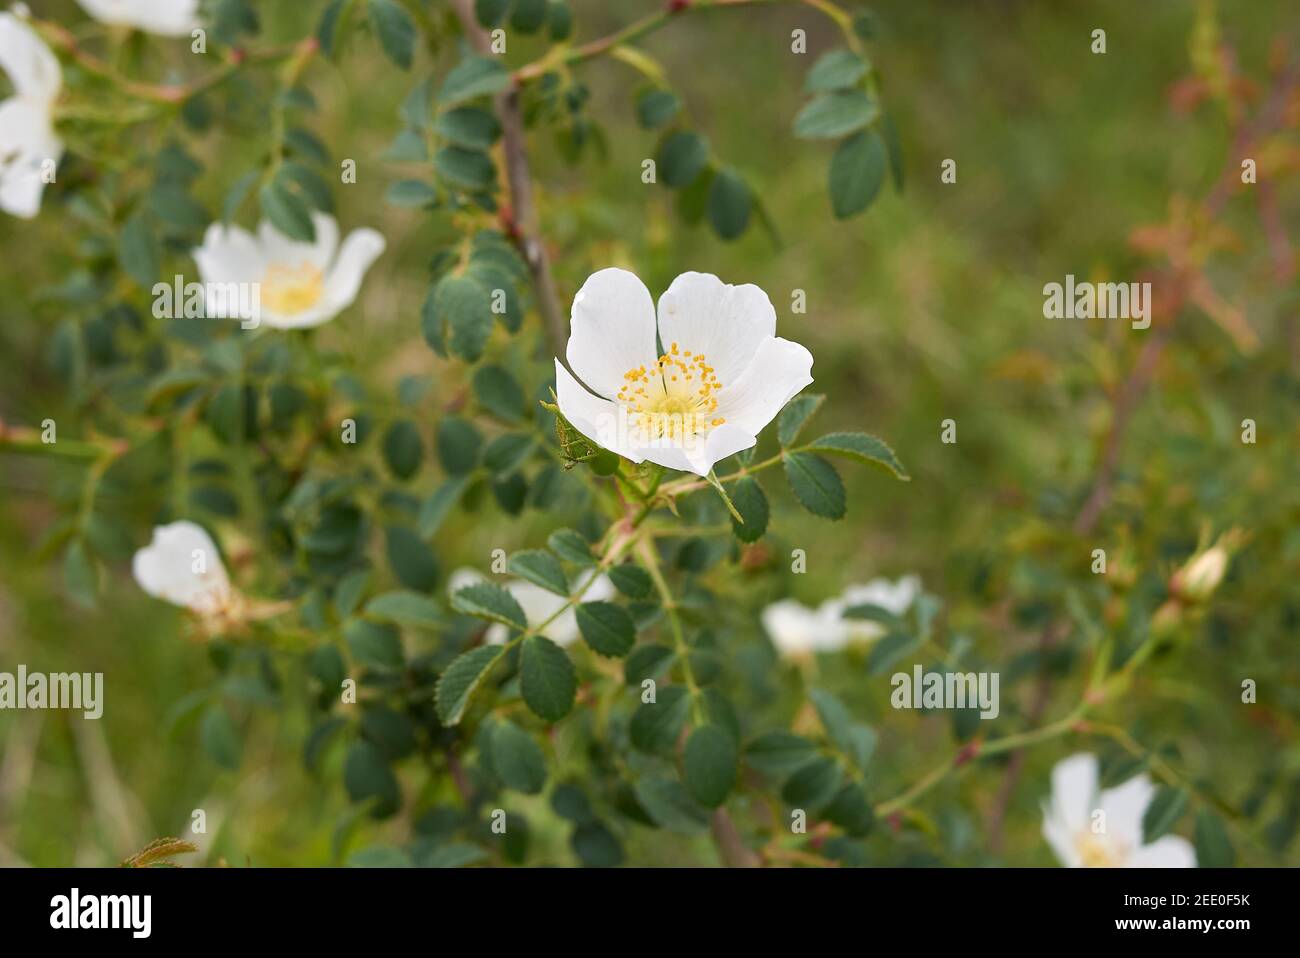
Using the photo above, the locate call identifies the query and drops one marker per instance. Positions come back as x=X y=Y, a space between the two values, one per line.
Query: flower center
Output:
x=674 y=399
x=1098 y=851
x=290 y=289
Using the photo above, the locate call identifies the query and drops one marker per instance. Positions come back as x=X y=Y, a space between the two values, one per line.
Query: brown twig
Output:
x=521 y=220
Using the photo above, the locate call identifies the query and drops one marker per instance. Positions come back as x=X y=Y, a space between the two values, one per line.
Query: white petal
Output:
x=780 y=369
x=896 y=597
x=168 y=18
x=1061 y=838
x=281 y=250
x=343 y=281
x=1168 y=852
x=1074 y=790
x=27 y=141
x=33 y=70
x=598 y=419
x=165 y=569
x=725 y=323
x=791 y=626
x=229 y=254
x=719 y=443
x=612 y=329
x=1124 y=806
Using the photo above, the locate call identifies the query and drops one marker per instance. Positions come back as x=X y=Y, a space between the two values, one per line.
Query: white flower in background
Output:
x=798 y=631
x=167 y=18
x=182 y=566
x=27 y=139
x=1083 y=838
x=299 y=284
x=894 y=597
x=723 y=375
x=538 y=604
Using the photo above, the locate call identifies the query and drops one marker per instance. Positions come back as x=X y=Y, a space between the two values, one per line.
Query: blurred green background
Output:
x=928 y=307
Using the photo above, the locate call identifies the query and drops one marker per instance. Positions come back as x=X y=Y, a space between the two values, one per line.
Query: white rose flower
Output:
x=1068 y=822
x=798 y=631
x=27 y=138
x=167 y=18
x=182 y=566
x=894 y=597
x=722 y=376
x=299 y=284
x=538 y=604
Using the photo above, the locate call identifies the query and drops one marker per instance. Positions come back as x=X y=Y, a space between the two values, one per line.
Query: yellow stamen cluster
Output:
x=1096 y=851
x=291 y=289
x=675 y=398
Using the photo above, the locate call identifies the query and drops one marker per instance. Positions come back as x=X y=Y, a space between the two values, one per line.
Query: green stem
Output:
x=646 y=550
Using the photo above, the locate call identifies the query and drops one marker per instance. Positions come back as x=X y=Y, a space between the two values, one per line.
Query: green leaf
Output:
x=327 y=29
x=306 y=184
x=528 y=15
x=368 y=778
x=395 y=29
x=832 y=115
x=855 y=740
x=816 y=484
x=862 y=447
x=137 y=250
x=748 y=498
x=779 y=753
x=606 y=627
x=440 y=502
x=461 y=679
x=546 y=678
x=851 y=810
x=470 y=170
x=671 y=806
x=1213 y=847
x=490 y=13
x=468 y=126
x=654 y=108
x=350 y=591
x=403 y=448
x=709 y=765
x=540 y=568
x=406 y=608
x=217 y=732
x=473 y=77
x=458 y=445
x=237 y=193
x=813 y=785
x=835 y=71
x=517 y=759
x=287 y=212
x=507 y=452
x=1166 y=808
x=411 y=558
x=889 y=650
x=655 y=726
x=498 y=392
x=682 y=157
x=374 y=644
x=633 y=581
x=796 y=413
x=487 y=601
x=730 y=203
x=857 y=173
x=411 y=194
x=467 y=307
x=570 y=546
